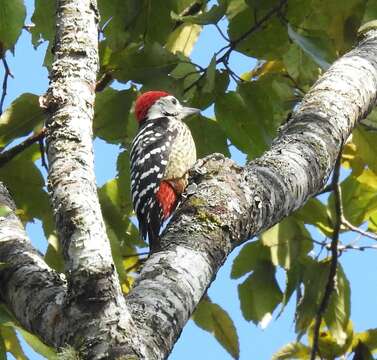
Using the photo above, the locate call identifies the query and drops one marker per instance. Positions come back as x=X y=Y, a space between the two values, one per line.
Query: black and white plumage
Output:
x=161 y=154
x=149 y=157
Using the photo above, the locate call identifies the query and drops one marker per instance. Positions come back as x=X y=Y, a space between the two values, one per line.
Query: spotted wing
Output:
x=149 y=157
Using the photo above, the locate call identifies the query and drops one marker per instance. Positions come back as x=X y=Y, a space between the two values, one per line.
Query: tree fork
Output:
x=229 y=204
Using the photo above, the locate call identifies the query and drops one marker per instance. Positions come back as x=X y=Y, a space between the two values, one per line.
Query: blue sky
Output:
x=194 y=343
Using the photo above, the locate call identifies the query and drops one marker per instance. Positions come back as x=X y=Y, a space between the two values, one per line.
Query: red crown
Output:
x=145 y=101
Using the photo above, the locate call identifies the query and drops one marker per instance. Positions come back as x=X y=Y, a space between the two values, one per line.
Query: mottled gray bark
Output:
x=31 y=290
x=228 y=205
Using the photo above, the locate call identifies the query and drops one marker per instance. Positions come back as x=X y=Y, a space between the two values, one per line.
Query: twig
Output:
x=354 y=228
x=224 y=58
x=14 y=151
x=334 y=256
x=221 y=33
x=7 y=73
x=105 y=80
x=323 y=243
x=233 y=44
x=357 y=247
x=326 y=189
x=43 y=154
x=233 y=75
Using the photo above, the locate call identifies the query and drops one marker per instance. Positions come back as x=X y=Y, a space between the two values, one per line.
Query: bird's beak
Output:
x=187 y=111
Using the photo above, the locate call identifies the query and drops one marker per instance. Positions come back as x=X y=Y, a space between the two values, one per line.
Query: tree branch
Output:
x=231 y=204
x=8 y=155
x=7 y=73
x=28 y=286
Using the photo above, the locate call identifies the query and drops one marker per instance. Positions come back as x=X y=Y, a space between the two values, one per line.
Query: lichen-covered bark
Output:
x=30 y=289
x=230 y=204
x=98 y=322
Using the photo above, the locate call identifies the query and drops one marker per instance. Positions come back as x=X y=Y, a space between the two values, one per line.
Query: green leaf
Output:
x=116 y=208
x=12 y=17
x=359 y=195
x=212 y=318
x=315 y=276
x=208 y=88
x=183 y=39
x=317 y=46
x=368 y=338
x=186 y=74
x=111 y=114
x=300 y=66
x=12 y=343
x=315 y=213
x=251 y=116
x=118 y=250
x=288 y=242
x=337 y=20
x=292 y=282
x=259 y=295
x=338 y=310
x=365 y=143
x=328 y=345
x=234 y=117
x=20 y=118
x=235 y=7
x=249 y=258
x=136 y=20
x=212 y=16
x=336 y=316
x=370 y=13
x=215 y=140
x=262 y=6
x=53 y=256
x=25 y=182
x=294 y=350
x=44 y=21
x=142 y=63
x=210 y=77
x=267 y=42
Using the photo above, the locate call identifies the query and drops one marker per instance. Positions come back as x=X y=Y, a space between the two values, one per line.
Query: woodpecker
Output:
x=161 y=154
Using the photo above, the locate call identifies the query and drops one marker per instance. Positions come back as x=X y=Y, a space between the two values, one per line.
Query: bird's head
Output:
x=157 y=104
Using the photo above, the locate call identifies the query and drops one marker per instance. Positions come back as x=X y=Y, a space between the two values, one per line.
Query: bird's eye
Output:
x=174 y=101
